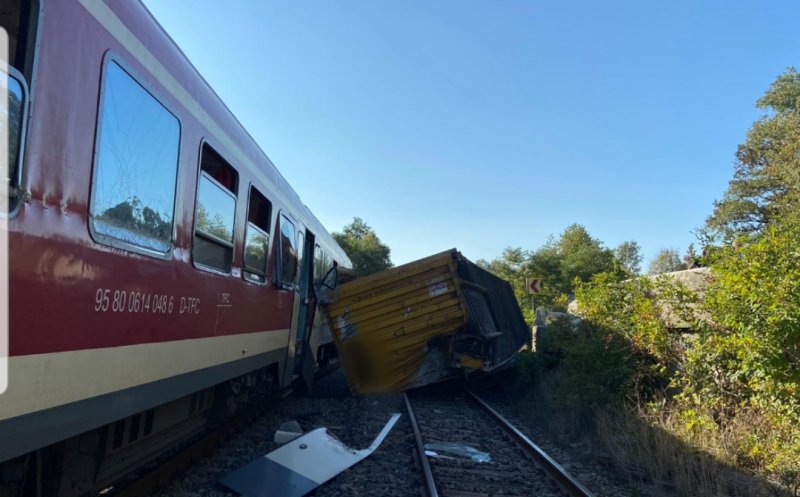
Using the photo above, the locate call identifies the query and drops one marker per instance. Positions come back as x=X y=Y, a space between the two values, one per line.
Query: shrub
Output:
x=731 y=388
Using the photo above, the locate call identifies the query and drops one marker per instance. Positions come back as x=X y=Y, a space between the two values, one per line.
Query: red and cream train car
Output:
x=160 y=265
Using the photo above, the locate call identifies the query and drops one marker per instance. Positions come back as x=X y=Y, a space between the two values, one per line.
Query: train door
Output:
x=304 y=356
x=302 y=304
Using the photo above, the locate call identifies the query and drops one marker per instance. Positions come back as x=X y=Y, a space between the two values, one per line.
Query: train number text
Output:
x=108 y=300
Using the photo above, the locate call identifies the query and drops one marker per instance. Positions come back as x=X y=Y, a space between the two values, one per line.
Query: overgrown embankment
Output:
x=679 y=388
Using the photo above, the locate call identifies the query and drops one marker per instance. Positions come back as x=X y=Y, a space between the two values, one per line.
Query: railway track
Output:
x=514 y=469
x=517 y=465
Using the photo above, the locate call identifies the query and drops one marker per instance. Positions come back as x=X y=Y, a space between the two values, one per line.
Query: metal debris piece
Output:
x=288 y=431
x=454 y=450
x=301 y=465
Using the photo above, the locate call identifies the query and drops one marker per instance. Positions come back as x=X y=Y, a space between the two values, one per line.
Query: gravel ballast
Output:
x=390 y=471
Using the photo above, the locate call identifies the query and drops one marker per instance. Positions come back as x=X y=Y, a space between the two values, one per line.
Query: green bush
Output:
x=733 y=384
x=594 y=364
x=597 y=368
x=752 y=351
x=743 y=369
x=528 y=369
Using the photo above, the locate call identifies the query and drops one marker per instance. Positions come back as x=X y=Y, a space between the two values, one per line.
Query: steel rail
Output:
x=430 y=483
x=565 y=481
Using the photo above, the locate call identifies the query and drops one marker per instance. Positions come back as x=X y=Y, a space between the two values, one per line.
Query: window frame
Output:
x=279 y=282
x=327 y=264
x=300 y=237
x=27 y=75
x=15 y=183
x=245 y=268
x=136 y=77
x=208 y=236
x=319 y=263
x=35 y=22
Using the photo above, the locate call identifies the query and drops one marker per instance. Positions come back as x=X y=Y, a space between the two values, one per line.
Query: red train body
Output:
x=119 y=301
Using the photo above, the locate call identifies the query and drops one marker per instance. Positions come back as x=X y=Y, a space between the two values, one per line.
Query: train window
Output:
x=318 y=262
x=328 y=263
x=136 y=166
x=214 y=217
x=19 y=19
x=15 y=113
x=256 y=238
x=301 y=247
x=287 y=264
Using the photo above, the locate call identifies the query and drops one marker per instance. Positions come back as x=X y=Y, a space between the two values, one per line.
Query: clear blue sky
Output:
x=486 y=124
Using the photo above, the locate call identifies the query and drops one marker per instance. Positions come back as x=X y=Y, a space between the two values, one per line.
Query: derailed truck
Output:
x=430 y=320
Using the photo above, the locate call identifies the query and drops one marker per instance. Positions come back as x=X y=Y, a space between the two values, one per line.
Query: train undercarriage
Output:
x=95 y=460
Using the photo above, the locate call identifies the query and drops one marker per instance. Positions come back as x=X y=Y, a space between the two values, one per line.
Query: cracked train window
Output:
x=133 y=192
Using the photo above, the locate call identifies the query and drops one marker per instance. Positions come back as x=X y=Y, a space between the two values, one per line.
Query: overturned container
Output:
x=426 y=321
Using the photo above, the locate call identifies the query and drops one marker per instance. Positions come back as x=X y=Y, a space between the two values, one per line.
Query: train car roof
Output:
x=159 y=53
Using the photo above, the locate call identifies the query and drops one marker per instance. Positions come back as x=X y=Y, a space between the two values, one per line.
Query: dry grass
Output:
x=654 y=448
x=647 y=447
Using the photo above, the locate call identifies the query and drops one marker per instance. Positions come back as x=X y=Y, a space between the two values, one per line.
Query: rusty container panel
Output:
x=394 y=329
x=426 y=321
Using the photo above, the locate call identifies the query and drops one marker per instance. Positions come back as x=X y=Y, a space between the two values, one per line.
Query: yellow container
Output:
x=387 y=325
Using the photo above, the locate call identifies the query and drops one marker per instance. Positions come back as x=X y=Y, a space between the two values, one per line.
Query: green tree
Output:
x=483 y=263
x=513 y=266
x=574 y=256
x=666 y=261
x=691 y=258
x=629 y=256
x=545 y=264
x=213 y=225
x=364 y=248
x=132 y=215
x=766 y=179
x=581 y=256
